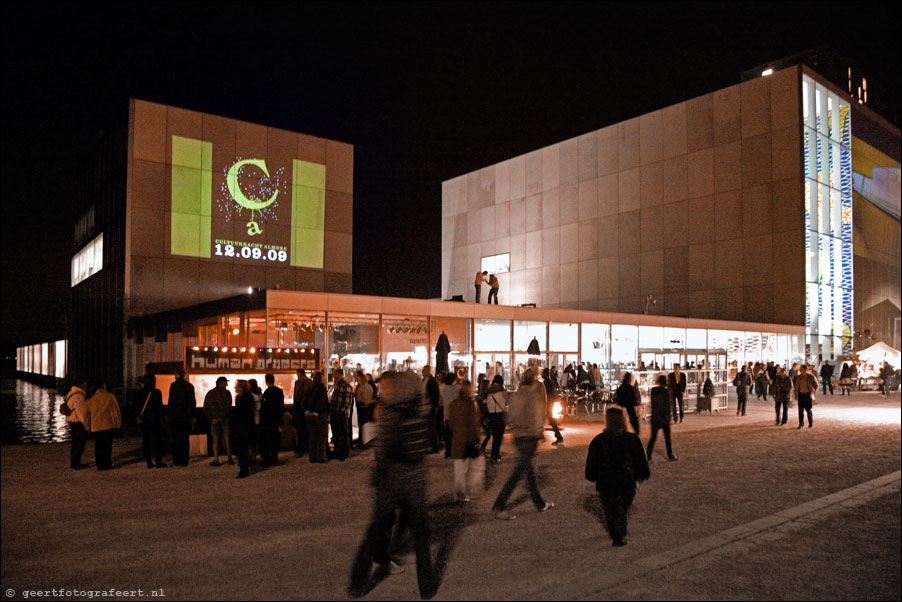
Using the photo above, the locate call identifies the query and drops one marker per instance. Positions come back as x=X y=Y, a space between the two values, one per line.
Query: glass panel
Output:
x=492 y=335
x=696 y=338
x=405 y=343
x=492 y=364
x=297 y=329
x=717 y=340
x=651 y=337
x=524 y=332
x=354 y=342
x=457 y=331
x=564 y=336
x=624 y=346
x=675 y=338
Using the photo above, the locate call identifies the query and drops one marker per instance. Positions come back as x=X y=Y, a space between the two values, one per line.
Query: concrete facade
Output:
x=697 y=204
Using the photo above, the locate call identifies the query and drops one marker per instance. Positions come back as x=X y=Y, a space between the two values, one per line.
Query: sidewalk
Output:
x=730 y=520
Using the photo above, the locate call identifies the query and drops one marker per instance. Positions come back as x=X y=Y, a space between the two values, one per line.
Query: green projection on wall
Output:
x=192 y=193
x=201 y=228
x=308 y=201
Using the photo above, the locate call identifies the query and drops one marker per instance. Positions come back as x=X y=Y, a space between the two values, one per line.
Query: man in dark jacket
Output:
x=301 y=389
x=272 y=408
x=182 y=406
x=676 y=384
x=150 y=417
x=741 y=382
x=827 y=377
x=662 y=412
x=782 y=390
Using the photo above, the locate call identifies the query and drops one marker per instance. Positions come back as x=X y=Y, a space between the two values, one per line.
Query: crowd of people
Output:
x=406 y=416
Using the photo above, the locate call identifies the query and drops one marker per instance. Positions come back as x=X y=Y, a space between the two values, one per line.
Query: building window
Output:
x=497 y=264
x=88 y=261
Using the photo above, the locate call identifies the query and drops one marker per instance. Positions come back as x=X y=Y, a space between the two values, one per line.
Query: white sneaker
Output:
x=392 y=568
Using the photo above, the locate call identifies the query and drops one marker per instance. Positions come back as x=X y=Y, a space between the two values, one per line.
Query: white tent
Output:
x=878 y=353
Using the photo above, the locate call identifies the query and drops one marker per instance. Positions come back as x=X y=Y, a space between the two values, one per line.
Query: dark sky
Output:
x=424 y=92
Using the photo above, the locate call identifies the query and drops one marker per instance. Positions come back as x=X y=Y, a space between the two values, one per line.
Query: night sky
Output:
x=424 y=92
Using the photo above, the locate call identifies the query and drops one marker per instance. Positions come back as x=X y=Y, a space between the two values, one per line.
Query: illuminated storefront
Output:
x=375 y=334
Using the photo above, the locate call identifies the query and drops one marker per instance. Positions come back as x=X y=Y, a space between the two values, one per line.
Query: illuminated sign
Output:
x=211 y=360
x=265 y=211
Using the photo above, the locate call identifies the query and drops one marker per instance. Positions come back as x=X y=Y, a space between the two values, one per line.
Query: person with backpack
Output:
x=399 y=481
x=74 y=408
x=741 y=382
x=615 y=463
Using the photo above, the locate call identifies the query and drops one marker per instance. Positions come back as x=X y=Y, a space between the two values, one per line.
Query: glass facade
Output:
x=827 y=157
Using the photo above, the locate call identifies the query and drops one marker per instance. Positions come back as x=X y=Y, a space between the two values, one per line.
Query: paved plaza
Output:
x=750 y=511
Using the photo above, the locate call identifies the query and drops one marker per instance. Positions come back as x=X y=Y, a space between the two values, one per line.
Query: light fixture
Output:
x=250 y=290
x=216 y=349
x=767 y=72
x=235 y=331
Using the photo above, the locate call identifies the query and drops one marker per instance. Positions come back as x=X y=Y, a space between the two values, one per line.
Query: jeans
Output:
x=616 y=508
x=655 y=427
x=777 y=405
x=103 y=449
x=152 y=443
x=181 y=448
x=742 y=395
x=340 y=438
x=497 y=426
x=804 y=406
x=404 y=488
x=526 y=466
x=493 y=292
x=478 y=292
x=827 y=383
x=677 y=407
x=469 y=476
x=79 y=439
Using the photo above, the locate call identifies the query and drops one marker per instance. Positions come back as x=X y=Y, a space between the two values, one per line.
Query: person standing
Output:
x=662 y=412
x=448 y=393
x=150 y=417
x=433 y=399
x=364 y=400
x=103 y=418
x=526 y=411
x=272 y=408
x=552 y=395
x=466 y=454
x=181 y=409
x=76 y=417
x=742 y=382
x=242 y=427
x=806 y=387
x=217 y=405
x=615 y=462
x=316 y=414
x=301 y=389
x=827 y=377
x=627 y=397
x=339 y=412
x=496 y=411
x=480 y=280
x=676 y=384
x=761 y=384
x=782 y=391
x=886 y=374
x=494 y=285
x=399 y=481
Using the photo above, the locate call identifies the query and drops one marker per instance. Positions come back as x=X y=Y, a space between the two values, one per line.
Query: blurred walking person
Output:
x=496 y=406
x=552 y=396
x=103 y=418
x=466 y=453
x=782 y=392
x=806 y=387
x=615 y=463
x=662 y=413
x=526 y=411
x=627 y=397
x=399 y=480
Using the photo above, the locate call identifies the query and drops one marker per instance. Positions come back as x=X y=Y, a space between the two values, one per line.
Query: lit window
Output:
x=497 y=264
x=88 y=261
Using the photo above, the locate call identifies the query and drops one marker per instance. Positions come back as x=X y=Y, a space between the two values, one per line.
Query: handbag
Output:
x=64 y=408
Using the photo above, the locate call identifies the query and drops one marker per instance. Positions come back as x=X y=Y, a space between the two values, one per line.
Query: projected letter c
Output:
x=235 y=189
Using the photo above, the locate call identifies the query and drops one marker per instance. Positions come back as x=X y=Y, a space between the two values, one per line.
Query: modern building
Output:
x=775 y=200
x=185 y=207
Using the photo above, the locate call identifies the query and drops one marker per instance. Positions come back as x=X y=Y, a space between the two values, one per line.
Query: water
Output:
x=31 y=414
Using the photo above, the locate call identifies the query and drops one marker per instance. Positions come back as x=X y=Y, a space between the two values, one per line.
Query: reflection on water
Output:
x=31 y=414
